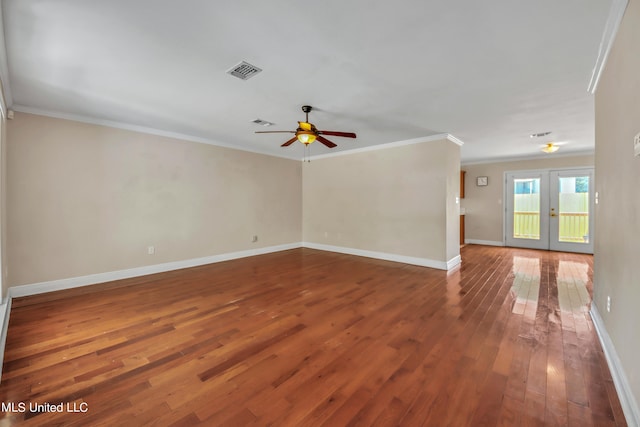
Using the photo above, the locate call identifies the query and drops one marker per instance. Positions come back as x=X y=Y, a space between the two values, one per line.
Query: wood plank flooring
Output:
x=311 y=338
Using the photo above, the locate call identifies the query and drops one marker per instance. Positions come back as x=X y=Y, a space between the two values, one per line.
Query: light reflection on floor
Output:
x=572 y=280
x=526 y=284
x=454 y=294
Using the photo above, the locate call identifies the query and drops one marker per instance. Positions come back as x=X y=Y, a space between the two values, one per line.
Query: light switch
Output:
x=636 y=145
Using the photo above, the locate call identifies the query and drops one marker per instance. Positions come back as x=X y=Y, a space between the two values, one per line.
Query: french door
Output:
x=550 y=210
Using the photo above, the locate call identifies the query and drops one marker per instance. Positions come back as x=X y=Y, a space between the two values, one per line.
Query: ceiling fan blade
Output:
x=336 y=133
x=289 y=142
x=326 y=142
x=275 y=131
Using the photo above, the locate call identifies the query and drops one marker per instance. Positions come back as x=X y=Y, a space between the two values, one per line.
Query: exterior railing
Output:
x=574 y=226
x=526 y=225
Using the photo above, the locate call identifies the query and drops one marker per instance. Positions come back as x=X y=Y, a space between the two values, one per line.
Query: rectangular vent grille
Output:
x=244 y=70
x=261 y=122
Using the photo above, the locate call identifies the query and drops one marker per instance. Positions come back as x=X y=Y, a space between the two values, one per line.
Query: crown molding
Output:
x=136 y=128
x=455 y=140
x=430 y=138
x=179 y=136
x=616 y=12
x=524 y=158
x=6 y=98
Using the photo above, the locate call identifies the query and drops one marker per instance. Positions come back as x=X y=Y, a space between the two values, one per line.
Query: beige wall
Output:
x=3 y=208
x=395 y=200
x=3 y=169
x=483 y=205
x=85 y=199
x=617 y=247
x=452 y=199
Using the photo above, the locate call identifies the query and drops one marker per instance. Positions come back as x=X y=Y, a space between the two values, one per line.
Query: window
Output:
x=527 y=186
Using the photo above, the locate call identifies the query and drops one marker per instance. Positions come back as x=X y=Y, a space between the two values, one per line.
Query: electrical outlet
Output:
x=151 y=250
x=254 y=239
x=608 y=304
x=636 y=145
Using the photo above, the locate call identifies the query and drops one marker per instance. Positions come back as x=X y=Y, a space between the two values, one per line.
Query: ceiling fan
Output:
x=307 y=132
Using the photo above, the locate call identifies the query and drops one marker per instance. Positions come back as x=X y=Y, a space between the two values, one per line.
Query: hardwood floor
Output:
x=312 y=338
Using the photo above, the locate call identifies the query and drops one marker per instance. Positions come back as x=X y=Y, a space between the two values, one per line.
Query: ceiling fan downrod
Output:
x=307 y=109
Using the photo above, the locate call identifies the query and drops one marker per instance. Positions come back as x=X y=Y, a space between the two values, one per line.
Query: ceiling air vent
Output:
x=244 y=70
x=261 y=122
x=539 y=135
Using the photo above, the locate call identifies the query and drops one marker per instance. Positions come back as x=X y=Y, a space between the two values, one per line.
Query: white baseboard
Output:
x=483 y=242
x=92 y=279
x=423 y=262
x=75 y=282
x=454 y=262
x=5 y=310
x=625 y=394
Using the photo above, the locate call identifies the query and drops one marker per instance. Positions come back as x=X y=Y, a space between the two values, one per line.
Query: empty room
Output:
x=319 y=214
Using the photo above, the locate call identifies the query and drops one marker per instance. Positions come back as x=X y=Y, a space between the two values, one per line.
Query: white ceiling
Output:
x=489 y=73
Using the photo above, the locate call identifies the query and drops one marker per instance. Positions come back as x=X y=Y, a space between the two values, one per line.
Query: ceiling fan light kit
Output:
x=306 y=137
x=307 y=132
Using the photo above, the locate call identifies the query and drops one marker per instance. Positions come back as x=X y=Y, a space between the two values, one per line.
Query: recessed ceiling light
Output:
x=539 y=135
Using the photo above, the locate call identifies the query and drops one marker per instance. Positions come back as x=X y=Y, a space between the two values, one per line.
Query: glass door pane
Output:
x=527 y=201
x=526 y=208
x=571 y=204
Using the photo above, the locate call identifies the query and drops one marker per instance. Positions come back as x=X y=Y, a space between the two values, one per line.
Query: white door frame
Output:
x=554 y=243
x=544 y=243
